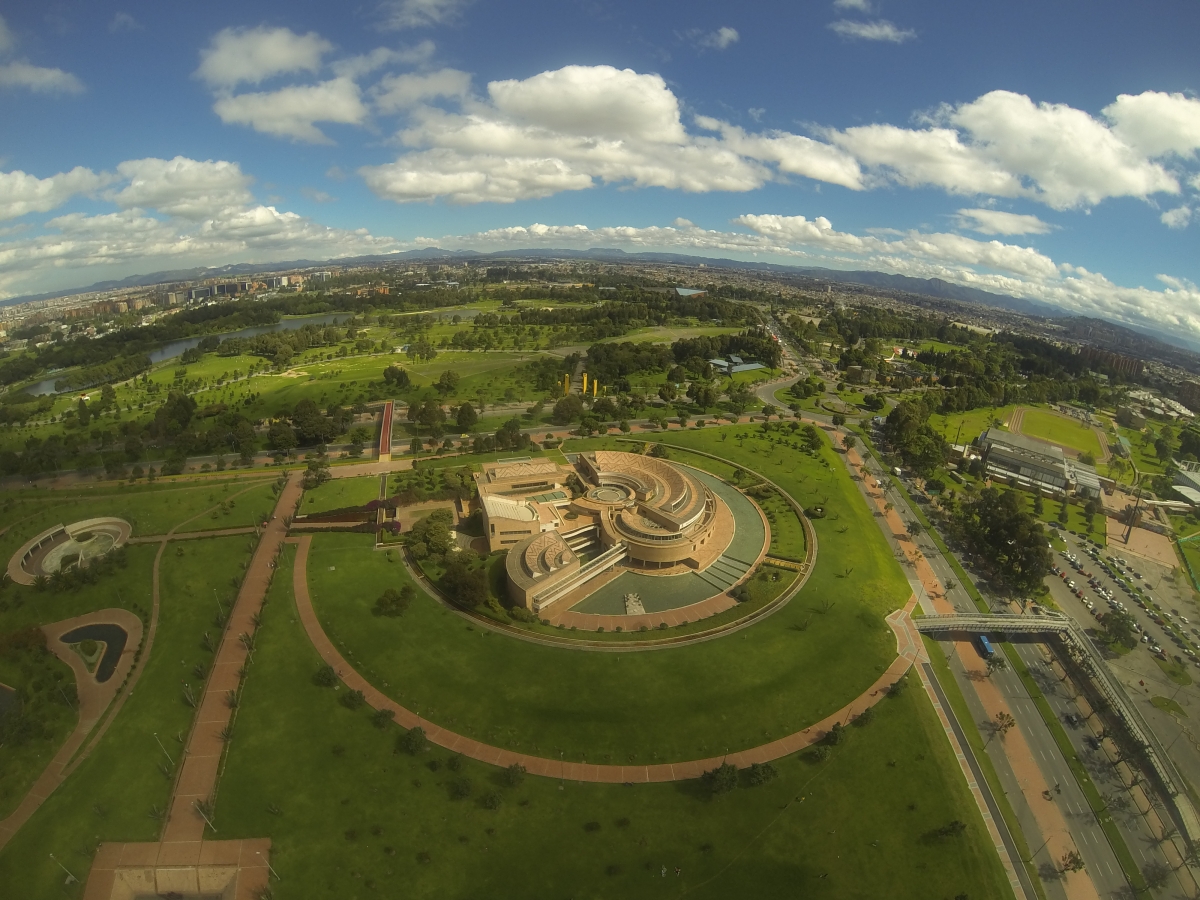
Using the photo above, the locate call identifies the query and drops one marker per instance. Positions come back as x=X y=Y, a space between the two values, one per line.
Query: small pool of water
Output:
x=113 y=637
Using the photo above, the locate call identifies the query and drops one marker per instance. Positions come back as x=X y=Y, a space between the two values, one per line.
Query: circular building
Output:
x=63 y=546
x=637 y=512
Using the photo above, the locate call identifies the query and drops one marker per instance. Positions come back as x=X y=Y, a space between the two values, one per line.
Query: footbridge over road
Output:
x=1087 y=655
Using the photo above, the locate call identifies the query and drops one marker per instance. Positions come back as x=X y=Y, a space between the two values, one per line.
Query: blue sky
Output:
x=1043 y=150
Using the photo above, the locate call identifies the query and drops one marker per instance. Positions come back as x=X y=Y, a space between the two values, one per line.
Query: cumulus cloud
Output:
x=252 y=55
x=877 y=30
x=398 y=92
x=994 y=221
x=39 y=79
x=719 y=39
x=1177 y=218
x=293 y=111
x=182 y=187
x=205 y=215
x=1157 y=123
x=22 y=193
x=862 y=6
x=366 y=63
x=396 y=15
x=7 y=41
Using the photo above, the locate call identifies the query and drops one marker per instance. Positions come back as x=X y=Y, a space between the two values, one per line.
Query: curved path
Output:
x=909 y=650
x=73 y=751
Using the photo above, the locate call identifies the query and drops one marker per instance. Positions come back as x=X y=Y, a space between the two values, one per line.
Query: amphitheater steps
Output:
x=725 y=572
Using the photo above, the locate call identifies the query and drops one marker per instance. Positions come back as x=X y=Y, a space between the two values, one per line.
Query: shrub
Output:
x=325 y=676
x=834 y=736
x=460 y=788
x=454 y=763
x=392 y=602
x=514 y=775
x=761 y=773
x=491 y=800
x=412 y=741
x=381 y=717
x=353 y=699
x=865 y=717
x=720 y=780
x=591 y=826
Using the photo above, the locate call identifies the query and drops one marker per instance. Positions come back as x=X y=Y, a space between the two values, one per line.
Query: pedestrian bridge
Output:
x=1087 y=656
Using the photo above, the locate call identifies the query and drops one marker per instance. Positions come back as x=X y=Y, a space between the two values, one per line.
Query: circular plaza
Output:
x=63 y=547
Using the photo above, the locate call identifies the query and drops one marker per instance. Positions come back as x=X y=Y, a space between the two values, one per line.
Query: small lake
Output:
x=174 y=348
x=112 y=636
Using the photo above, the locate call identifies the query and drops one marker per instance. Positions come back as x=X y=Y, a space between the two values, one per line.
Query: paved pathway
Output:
x=909 y=648
x=73 y=752
x=202 y=757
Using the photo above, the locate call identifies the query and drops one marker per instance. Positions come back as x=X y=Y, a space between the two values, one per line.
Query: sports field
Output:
x=1066 y=432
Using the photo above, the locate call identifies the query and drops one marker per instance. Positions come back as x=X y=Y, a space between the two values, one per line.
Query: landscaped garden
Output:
x=352 y=813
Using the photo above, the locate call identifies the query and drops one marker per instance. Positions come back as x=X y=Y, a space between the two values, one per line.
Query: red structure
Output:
x=385 y=433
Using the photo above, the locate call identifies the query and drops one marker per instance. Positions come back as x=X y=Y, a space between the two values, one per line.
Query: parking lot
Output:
x=1162 y=607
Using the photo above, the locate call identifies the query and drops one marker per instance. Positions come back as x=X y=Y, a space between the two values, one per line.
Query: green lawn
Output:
x=1062 y=430
x=669 y=334
x=805 y=661
x=787 y=533
x=350 y=819
x=964 y=427
x=339 y=493
x=113 y=792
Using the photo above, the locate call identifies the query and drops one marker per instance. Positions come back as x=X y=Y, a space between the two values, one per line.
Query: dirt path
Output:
x=909 y=650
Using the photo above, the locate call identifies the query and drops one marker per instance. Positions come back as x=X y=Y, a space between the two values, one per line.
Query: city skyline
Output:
x=1055 y=159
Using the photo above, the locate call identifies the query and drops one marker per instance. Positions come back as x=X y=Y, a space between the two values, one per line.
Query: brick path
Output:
x=202 y=757
x=909 y=649
x=70 y=755
x=1049 y=817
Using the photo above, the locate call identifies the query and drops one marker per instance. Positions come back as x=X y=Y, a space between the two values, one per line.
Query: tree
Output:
x=1156 y=875
x=838 y=420
x=668 y=392
x=1010 y=543
x=397 y=377
x=567 y=410
x=412 y=741
x=848 y=441
x=432 y=416
x=466 y=585
x=720 y=780
x=1002 y=723
x=740 y=398
x=996 y=664
x=702 y=394
x=85 y=414
x=466 y=417
x=281 y=437
x=1039 y=506
x=447 y=382
x=393 y=603
x=1064 y=512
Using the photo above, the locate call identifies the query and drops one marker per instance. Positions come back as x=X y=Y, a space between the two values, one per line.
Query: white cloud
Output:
x=183 y=187
x=401 y=14
x=719 y=39
x=123 y=21
x=292 y=111
x=862 y=6
x=21 y=193
x=39 y=79
x=593 y=100
x=1156 y=123
x=1177 y=218
x=317 y=196
x=792 y=153
x=358 y=66
x=878 y=30
x=236 y=55
x=398 y=92
x=472 y=179
x=994 y=221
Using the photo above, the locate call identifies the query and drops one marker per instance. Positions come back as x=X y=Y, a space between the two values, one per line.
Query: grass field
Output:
x=339 y=493
x=667 y=334
x=760 y=684
x=114 y=791
x=350 y=819
x=964 y=427
x=1062 y=430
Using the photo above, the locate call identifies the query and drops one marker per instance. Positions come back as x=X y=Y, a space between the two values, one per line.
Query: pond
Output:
x=112 y=636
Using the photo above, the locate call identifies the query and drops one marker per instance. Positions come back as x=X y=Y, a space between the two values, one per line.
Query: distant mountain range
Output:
x=1123 y=339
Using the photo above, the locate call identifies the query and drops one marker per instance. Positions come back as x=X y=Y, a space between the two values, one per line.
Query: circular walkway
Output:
x=908 y=645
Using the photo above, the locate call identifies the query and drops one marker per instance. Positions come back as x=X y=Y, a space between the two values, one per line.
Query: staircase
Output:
x=725 y=572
